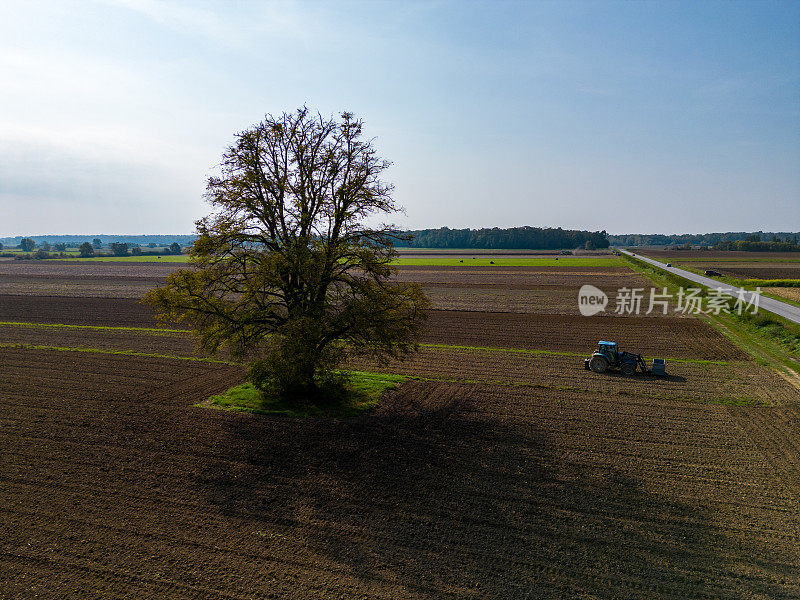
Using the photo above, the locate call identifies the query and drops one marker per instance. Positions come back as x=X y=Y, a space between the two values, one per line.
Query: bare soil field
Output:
x=505 y=275
x=122 y=340
x=85 y=286
x=716 y=254
x=541 y=290
x=652 y=336
x=117 y=312
x=544 y=290
x=508 y=474
x=737 y=381
x=81 y=279
x=753 y=270
x=547 y=299
x=114 y=486
x=495 y=252
x=72 y=269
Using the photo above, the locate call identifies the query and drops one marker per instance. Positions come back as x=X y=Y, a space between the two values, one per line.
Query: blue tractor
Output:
x=608 y=356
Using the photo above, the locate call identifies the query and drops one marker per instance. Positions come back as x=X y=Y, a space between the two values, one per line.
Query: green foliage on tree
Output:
x=27 y=244
x=86 y=249
x=119 y=249
x=97 y=244
x=286 y=271
x=174 y=248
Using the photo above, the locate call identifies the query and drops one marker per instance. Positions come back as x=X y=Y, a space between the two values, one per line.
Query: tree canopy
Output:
x=286 y=270
x=86 y=249
x=119 y=249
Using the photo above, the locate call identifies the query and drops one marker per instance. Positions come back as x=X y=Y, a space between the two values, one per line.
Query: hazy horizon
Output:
x=89 y=236
x=655 y=117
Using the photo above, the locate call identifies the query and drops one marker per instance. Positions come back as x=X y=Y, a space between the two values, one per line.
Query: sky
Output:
x=633 y=117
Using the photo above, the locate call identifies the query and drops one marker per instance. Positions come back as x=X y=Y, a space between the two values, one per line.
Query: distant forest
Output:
x=701 y=239
x=74 y=241
x=754 y=243
x=529 y=238
x=533 y=238
x=523 y=238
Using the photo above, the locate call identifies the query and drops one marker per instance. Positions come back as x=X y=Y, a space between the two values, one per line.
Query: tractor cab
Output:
x=609 y=350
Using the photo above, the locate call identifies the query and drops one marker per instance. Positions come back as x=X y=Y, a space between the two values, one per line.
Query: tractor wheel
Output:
x=628 y=368
x=598 y=364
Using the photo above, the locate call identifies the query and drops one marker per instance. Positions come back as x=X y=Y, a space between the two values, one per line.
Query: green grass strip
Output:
x=556 y=353
x=154 y=331
x=137 y=259
x=116 y=352
x=363 y=391
x=94 y=327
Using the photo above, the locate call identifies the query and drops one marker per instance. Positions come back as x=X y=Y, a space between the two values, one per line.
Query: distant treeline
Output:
x=44 y=249
x=529 y=238
x=73 y=241
x=754 y=243
x=700 y=239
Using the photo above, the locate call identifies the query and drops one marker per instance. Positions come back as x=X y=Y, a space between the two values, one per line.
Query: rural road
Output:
x=787 y=311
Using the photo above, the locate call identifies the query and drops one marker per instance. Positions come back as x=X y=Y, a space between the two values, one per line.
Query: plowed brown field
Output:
x=506 y=473
x=699 y=382
x=673 y=338
x=115 y=487
x=743 y=270
x=117 y=312
x=716 y=254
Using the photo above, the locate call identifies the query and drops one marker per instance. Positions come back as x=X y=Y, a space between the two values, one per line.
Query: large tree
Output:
x=119 y=249
x=286 y=269
x=86 y=249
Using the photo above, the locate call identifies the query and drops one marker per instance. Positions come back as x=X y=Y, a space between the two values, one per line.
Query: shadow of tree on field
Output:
x=431 y=497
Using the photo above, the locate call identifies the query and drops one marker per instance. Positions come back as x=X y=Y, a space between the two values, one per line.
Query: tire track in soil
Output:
x=775 y=432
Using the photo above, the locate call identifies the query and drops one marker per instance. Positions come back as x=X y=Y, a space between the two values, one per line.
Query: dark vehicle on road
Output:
x=713 y=274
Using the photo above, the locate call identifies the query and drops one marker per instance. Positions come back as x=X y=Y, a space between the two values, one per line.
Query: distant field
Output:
x=468 y=261
x=738 y=268
x=575 y=261
x=166 y=258
x=717 y=255
x=697 y=259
